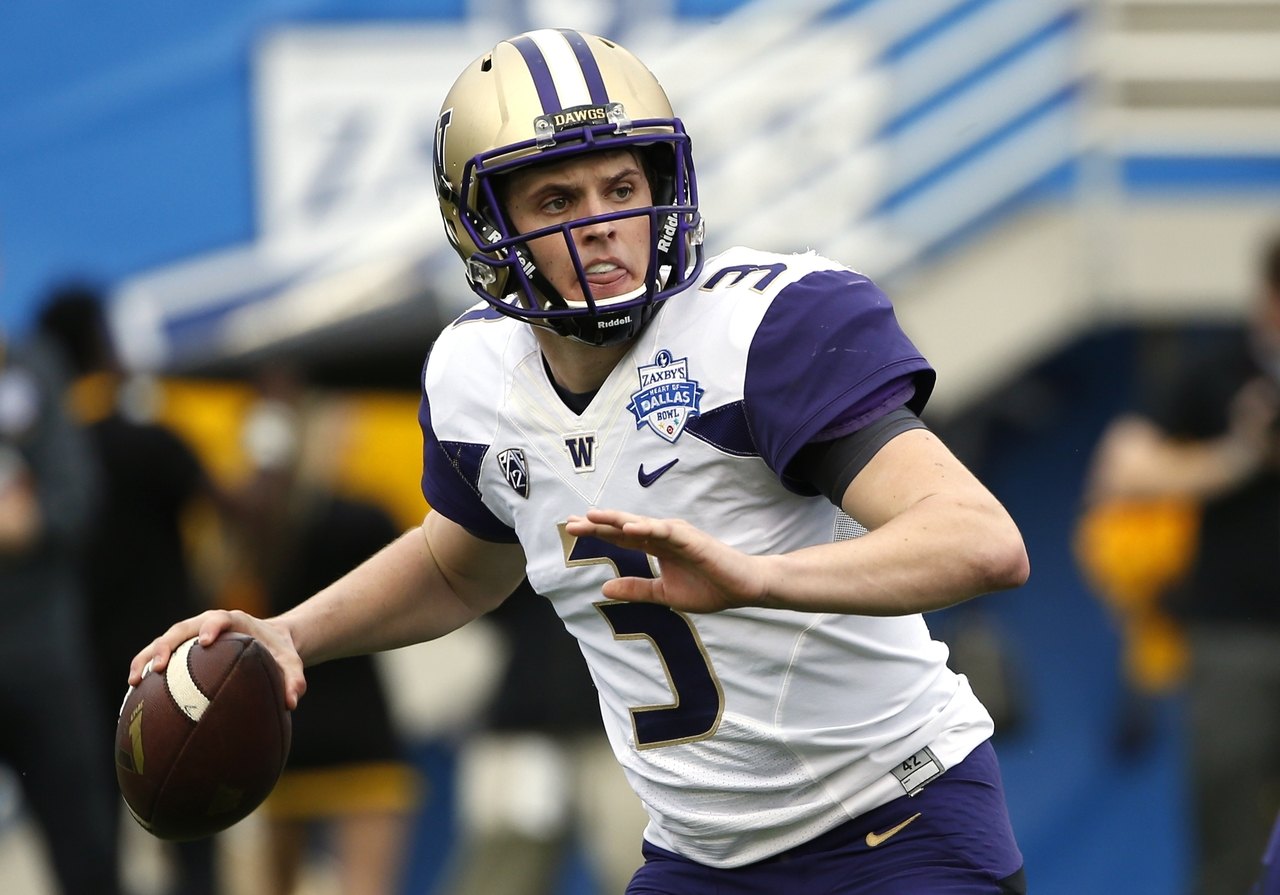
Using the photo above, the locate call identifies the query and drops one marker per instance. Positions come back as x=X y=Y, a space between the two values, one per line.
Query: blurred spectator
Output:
x=135 y=567
x=1131 y=551
x=540 y=779
x=347 y=776
x=50 y=735
x=1214 y=439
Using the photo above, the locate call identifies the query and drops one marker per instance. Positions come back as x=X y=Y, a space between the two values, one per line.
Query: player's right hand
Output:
x=207 y=627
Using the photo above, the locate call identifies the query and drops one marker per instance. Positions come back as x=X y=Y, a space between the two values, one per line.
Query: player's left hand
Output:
x=697 y=573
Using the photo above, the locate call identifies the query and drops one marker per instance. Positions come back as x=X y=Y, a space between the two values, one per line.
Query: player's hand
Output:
x=697 y=573
x=208 y=626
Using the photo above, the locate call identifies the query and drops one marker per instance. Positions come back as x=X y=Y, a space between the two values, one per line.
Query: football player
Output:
x=716 y=471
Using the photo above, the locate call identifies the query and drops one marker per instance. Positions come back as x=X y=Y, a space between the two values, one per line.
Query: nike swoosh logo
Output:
x=874 y=839
x=648 y=478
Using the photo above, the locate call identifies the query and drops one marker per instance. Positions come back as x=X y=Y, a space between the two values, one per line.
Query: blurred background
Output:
x=1052 y=191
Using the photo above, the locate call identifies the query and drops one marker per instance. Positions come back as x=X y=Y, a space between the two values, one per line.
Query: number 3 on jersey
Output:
x=698 y=700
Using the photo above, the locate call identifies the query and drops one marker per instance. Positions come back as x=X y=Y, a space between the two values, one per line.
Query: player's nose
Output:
x=597 y=230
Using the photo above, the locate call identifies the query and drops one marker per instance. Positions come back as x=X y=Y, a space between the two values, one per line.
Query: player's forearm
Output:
x=936 y=555
x=395 y=598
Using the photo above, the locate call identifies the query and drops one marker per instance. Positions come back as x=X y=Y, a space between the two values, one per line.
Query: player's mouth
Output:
x=607 y=279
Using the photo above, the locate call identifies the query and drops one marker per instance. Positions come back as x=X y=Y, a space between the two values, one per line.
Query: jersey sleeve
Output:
x=451 y=481
x=828 y=358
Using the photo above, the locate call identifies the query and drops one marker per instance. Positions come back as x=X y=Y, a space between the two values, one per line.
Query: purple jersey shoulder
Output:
x=827 y=358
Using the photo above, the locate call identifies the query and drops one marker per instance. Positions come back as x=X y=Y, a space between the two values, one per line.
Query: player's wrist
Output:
x=772 y=574
x=290 y=634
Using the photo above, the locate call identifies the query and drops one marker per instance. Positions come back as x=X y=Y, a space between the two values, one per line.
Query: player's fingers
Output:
x=272 y=636
x=664 y=538
x=155 y=656
x=275 y=637
x=582 y=527
x=205 y=627
x=605 y=524
x=660 y=537
x=214 y=623
x=645 y=528
x=295 y=687
x=295 y=682
x=141 y=664
x=612 y=518
x=634 y=590
x=278 y=641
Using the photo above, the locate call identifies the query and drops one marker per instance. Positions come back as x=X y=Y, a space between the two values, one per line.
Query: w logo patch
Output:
x=582 y=451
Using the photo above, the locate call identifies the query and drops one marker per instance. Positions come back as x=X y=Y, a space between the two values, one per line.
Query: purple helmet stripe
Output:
x=540 y=72
x=587 y=62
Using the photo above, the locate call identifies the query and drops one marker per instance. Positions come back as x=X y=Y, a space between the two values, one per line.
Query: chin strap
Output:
x=606 y=329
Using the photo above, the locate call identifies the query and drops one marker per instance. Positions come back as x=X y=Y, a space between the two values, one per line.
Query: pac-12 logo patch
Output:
x=667 y=397
x=515 y=470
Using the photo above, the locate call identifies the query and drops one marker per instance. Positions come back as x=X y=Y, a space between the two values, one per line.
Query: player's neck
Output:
x=575 y=366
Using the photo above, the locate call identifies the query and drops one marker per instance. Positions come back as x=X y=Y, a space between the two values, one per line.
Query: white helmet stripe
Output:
x=566 y=72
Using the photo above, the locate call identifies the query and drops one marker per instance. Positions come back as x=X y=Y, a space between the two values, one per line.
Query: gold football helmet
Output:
x=546 y=96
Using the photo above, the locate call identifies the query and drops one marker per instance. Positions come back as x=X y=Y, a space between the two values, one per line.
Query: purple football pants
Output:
x=960 y=844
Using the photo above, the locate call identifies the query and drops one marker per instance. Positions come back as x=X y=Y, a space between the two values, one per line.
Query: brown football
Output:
x=199 y=746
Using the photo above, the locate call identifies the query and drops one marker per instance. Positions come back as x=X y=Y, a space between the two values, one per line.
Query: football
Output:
x=199 y=746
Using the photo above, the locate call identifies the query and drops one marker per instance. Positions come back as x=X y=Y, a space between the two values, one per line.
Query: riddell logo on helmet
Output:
x=490 y=235
x=668 y=234
x=621 y=321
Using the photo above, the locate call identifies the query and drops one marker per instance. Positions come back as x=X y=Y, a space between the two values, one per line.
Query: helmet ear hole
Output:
x=659 y=165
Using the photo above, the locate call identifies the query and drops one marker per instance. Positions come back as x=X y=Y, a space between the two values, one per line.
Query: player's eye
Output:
x=623 y=191
x=556 y=205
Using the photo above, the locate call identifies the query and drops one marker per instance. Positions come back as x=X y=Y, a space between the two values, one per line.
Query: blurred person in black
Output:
x=539 y=779
x=1214 y=437
x=136 y=568
x=50 y=735
x=348 y=788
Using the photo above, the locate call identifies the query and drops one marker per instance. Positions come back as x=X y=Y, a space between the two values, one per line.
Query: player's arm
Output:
x=936 y=537
x=431 y=580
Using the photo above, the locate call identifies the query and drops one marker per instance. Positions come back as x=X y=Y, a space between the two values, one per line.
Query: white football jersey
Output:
x=744 y=732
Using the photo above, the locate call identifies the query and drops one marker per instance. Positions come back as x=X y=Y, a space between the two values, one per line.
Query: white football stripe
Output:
x=182 y=687
x=571 y=86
